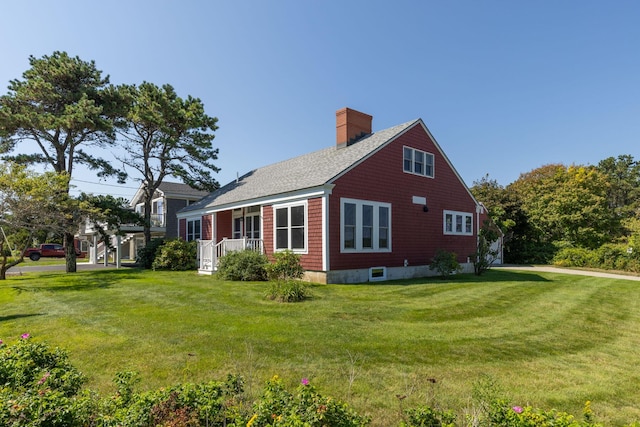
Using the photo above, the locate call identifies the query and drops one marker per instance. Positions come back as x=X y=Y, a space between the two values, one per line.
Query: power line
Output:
x=106 y=185
x=104 y=194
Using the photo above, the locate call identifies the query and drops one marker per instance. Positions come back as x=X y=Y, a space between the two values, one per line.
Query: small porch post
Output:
x=118 y=250
x=93 y=250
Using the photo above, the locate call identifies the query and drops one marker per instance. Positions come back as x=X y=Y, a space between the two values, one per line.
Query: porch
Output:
x=209 y=252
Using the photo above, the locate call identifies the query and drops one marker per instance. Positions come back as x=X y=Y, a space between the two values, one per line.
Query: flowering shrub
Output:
x=504 y=415
x=38 y=385
x=306 y=407
x=207 y=404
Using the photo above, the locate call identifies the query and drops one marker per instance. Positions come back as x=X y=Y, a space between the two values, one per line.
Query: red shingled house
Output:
x=374 y=206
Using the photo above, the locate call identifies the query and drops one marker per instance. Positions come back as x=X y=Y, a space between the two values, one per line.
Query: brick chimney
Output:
x=351 y=125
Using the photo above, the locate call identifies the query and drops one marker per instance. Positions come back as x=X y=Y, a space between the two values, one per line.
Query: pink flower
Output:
x=1 y=342
x=25 y=336
x=517 y=409
x=305 y=381
x=44 y=378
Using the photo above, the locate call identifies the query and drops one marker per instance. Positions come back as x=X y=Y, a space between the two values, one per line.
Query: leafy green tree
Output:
x=167 y=136
x=485 y=253
x=623 y=174
x=566 y=204
x=29 y=203
x=62 y=105
x=505 y=211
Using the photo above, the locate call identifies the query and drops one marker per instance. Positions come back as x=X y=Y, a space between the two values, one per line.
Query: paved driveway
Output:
x=81 y=266
x=552 y=269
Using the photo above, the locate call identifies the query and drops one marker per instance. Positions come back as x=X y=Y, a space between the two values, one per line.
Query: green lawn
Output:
x=549 y=340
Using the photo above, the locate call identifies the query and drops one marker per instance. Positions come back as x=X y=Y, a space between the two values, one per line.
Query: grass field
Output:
x=549 y=340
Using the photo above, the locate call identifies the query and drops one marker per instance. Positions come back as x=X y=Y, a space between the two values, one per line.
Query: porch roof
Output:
x=307 y=171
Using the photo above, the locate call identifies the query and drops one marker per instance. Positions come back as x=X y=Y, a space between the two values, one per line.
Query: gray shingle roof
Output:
x=178 y=188
x=306 y=171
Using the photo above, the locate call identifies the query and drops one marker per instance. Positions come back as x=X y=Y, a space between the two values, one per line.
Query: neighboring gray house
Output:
x=169 y=198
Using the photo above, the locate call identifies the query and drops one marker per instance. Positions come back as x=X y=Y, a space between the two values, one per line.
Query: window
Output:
x=377 y=273
x=460 y=223
x=417 y=162
x=252 y=222
x=194 y=229
x=290 y=227
x=365 y=226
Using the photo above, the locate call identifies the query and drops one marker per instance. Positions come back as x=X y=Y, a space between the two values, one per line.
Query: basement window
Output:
x=377 y=274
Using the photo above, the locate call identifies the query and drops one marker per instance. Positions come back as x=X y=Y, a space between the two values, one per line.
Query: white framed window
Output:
x=417 y=162
x=365 y=226
x=194 y=229
x=459 y=223
x=290 y=227
x=252 y=222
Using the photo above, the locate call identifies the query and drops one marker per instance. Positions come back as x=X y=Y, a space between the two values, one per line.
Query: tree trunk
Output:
x=147 y=221
x=70 y=252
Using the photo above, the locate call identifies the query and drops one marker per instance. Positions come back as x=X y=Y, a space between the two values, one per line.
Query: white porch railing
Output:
x=209 y=252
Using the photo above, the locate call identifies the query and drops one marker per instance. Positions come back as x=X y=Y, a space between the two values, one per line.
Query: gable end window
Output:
x=458 y=223
x=365 y=226
x=417 y=162
x=291 y=227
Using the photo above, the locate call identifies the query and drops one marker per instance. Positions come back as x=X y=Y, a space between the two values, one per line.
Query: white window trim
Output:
x=453 y=231
x=193 y=220
x=358 y=235
x=413 y=150
x=248 y=216
x=306 y=226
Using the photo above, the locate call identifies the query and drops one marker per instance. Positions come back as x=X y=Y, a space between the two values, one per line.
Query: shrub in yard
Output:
x=445 y=263
x=146 y=255
x=204 y=404
x=38 y=386
x=504 y=415
x=288 y=291
x=285 y=266
x=424 y=416
x=176 y=255
x=305 y=407
x=573 y=257
x=243 y=266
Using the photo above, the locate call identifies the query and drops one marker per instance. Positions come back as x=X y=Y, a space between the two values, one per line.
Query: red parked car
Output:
x=47 y=250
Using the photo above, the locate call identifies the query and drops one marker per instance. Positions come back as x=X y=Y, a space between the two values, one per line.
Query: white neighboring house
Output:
x=169 y=198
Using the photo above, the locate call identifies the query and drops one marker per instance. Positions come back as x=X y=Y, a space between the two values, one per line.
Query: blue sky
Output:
x=504 y=86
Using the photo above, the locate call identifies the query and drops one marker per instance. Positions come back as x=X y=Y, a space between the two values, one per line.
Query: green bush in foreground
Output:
x=39 y=387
